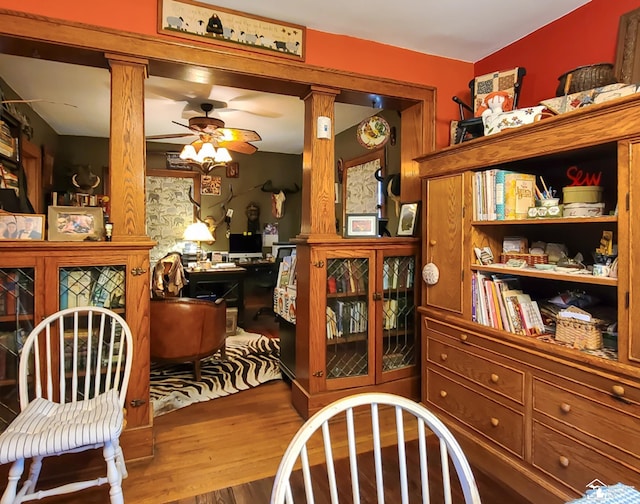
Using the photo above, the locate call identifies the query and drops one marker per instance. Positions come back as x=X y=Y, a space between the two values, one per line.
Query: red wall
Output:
x=323 y=49
x=585 y=36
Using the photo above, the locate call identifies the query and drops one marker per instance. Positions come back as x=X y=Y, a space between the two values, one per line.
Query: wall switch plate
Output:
x=324 y=127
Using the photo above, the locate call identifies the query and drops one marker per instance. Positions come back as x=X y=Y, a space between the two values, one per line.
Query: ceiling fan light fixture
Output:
x=207 y=152
x=188 y=153
x=222 y=155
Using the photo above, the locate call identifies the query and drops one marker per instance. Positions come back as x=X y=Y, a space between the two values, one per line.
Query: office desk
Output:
x=222 y=282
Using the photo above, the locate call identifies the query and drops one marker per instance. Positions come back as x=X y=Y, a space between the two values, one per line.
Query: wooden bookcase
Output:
x=545 y=418
x=33 y=286
x=361 y=327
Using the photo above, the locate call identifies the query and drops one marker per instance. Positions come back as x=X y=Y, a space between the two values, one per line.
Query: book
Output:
x=512 y=306
x=500 y=176
x=519 y=195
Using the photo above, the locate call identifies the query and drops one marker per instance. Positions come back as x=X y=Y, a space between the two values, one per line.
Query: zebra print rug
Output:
x=252 y=359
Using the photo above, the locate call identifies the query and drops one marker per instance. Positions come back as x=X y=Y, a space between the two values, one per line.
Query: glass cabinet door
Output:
x=348 y=343
x=16 y=322
x=92 y=286
x=398 y=345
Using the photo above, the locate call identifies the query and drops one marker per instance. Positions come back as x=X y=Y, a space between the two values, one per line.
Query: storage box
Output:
x=583 y=210
x=582 y=194
x=531 y=259
x=582 y=334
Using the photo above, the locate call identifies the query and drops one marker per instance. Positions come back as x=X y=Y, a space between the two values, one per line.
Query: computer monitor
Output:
x=243 y=246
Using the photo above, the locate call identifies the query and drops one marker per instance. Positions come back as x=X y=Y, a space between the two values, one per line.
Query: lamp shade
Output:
x=222 y=155
x=198 y=232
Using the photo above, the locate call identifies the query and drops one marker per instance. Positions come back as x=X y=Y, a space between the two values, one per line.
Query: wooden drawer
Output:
x=598 y=415
x=576 y=464
x=489 y=374
x=485 y=416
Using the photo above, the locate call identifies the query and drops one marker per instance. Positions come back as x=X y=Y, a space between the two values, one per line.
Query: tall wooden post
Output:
x=318 y=166
x=127 y=152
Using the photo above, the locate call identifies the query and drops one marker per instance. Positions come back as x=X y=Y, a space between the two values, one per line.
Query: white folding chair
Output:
x=407 y=416
x=73 y=377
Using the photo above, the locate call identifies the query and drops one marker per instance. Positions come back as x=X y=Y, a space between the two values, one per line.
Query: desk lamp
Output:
x=198 y=232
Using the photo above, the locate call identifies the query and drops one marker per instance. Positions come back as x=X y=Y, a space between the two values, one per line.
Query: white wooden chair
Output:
x=408 y=415
x=73 y=377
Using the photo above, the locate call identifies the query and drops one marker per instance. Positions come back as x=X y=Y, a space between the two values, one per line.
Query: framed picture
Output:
x=67 y=223
x=22 y=227
x=213 y=25
x=232 y=321
x=407 y=219
x=211 y=185
x=361 y=225
x=233 y=169
x=175 y=163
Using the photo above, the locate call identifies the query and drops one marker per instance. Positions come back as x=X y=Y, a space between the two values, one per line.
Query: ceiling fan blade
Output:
x=237 y=146
x=169 y=135
x=236 y=134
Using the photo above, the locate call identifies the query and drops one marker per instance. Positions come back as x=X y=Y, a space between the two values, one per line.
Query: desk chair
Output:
x=268 y=280
x=410 y=417
x=482 y=88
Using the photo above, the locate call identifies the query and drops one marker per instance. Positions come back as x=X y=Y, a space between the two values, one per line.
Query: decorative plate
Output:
x=373 y=132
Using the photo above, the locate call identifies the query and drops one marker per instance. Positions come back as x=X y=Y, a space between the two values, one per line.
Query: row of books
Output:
x=499 y=302
x=16 y=293
x=7 y=140
x=398 y=273
x=345 y=318
x=397 y=313
x=502 y=194
x=348 y=277
x=8 y=179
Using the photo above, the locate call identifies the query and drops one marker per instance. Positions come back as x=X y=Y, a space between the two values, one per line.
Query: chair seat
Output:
x=48 y=428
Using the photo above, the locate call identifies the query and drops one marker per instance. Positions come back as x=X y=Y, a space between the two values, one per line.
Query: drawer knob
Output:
x=464 y=337
x=566 y=408
x=618 y=390
x=495 y=422
x=564 y=461
x=443 y=393
x=443 y=356
x=494 y=378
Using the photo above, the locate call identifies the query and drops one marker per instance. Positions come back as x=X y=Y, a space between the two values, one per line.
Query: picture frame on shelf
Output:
x=361 y=225
x=408 y=219
x=68 y=223
x=22 y=226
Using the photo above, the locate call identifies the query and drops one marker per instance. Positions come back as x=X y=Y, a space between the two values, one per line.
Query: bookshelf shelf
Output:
x=548 y=275
x=545 y=222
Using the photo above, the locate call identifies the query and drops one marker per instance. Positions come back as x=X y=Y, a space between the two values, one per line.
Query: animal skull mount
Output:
x=85 y=180
x=278 y=197
x=211 y=222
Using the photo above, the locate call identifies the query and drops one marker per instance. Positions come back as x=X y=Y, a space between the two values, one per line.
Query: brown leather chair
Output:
x=185 y=329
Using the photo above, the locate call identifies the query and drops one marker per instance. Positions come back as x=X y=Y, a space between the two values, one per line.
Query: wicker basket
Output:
x=587 y=77
x=578 y=333
x=531 y=259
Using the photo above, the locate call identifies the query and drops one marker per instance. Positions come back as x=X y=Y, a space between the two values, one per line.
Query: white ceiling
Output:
x=76 y=99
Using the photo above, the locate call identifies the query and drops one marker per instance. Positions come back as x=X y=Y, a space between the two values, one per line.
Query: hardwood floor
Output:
x=227 y=451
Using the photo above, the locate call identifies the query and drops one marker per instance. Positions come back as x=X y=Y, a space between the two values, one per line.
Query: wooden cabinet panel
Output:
x=598 y=415
x=575 y=464
x=490 y=375
x=444 y=213
x=488 y=417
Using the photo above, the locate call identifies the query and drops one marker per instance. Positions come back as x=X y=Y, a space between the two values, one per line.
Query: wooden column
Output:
x=127 y=153
x=318 y=167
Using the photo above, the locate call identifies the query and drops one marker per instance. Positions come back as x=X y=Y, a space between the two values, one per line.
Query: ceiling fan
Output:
x=212 y=129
